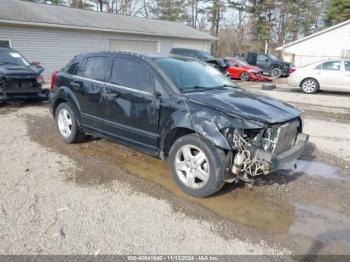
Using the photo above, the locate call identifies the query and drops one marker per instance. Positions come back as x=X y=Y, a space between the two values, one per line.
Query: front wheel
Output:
x=197 y=166
x=244 y=76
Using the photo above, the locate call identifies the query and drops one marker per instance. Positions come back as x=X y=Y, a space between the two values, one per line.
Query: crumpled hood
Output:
x=17 y=70
x=238 y=102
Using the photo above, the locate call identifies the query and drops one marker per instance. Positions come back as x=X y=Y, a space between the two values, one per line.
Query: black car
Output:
x=178 y=109
x=218 y=63
x=19 y=79
x=269 y=63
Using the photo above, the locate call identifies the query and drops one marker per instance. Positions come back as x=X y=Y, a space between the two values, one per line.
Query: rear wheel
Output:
x=67 y=124
x=310 y=86
x=276 y=73
x=197 y=166
x=244 y=76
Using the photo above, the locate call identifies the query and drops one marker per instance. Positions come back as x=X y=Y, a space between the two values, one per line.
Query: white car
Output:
x=325 y=75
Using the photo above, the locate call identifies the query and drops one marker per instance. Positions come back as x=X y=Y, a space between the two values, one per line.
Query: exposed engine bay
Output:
x=253 y=151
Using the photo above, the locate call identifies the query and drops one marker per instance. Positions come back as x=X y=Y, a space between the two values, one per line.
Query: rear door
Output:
x=88 y=85
x=131 y=108
x=331 y=75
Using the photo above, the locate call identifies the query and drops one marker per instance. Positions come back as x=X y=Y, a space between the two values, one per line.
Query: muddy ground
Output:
x=98 y=197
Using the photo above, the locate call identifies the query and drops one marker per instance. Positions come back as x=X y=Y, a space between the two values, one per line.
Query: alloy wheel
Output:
x=192 y=166
x=64 y=122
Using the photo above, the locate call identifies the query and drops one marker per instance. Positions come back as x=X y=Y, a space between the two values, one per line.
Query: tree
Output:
x=338 y=11
x=171 y=10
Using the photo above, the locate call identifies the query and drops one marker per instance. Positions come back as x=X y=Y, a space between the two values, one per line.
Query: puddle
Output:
x=318 y=169
x=322 y=225
x=240 y=205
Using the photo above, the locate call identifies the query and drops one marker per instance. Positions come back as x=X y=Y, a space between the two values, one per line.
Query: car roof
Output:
x=5 y=48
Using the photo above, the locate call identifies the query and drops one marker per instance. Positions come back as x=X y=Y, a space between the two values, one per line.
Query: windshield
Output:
x=239 y=62
x=191 y=76
x=10 y=57
x=205 y=56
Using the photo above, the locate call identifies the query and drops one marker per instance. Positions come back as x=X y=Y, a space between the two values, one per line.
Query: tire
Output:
x=310 y=86
x=186 y=174
x=244 y=76
x=67 y=125
x=276 y=73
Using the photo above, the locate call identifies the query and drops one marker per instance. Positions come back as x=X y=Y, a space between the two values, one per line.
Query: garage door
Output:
x=192 y=45
x=133 y=45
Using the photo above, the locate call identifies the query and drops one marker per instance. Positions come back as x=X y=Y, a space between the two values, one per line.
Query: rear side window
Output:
x=332 y=66
x=133 y=74
x=96 y=68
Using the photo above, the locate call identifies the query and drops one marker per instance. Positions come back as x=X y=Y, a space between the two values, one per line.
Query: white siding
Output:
x=133 y=45
x=54 y=48
x=328 y=45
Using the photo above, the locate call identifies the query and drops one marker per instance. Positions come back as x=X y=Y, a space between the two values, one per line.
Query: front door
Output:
x=331 y=75
x=263 y=62
x=131 y=108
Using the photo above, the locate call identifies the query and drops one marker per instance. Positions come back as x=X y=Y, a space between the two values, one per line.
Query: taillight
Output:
x=53 y=79
x=40 y=80
x=292 y=69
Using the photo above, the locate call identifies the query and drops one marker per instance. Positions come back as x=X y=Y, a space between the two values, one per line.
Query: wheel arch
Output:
x=310 y=77
x=66 y=95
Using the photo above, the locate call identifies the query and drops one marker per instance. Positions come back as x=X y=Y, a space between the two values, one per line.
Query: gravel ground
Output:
x=101 y=198
x=42 y=213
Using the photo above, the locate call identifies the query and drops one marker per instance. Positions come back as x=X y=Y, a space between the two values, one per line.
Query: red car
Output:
x=240 y=69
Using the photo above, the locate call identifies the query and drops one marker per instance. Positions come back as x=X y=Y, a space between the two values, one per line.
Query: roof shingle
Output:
x=50 y=15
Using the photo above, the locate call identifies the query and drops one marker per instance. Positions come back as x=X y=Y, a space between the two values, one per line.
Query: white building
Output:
x=52 y=35
x=330 y=43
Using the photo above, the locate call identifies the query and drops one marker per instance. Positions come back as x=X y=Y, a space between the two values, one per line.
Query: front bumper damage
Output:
x=277 y=162
x=266 y=150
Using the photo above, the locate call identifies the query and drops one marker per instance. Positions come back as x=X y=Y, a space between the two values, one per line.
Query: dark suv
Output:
x=179 y=109
x=270 y=64
x=19 y=79
x=218 y=63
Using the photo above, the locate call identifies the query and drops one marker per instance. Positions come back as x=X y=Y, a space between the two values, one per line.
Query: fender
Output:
x=205 y=121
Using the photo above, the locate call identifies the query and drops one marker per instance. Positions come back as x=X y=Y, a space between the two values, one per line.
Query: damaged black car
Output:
x=19 y=79
x=178 y=109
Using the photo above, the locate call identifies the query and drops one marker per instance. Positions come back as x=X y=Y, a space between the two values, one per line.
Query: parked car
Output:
x=269 y=63
x=325 y=75
x=179 y=109
x=239 y=69
x=19 y=79
x=218 y=63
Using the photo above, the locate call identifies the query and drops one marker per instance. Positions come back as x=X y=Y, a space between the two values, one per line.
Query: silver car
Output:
x=325 y=75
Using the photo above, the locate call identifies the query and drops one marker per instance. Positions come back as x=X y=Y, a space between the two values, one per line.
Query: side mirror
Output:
x=35 y=63
x=157 y=94
x=236 y=65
